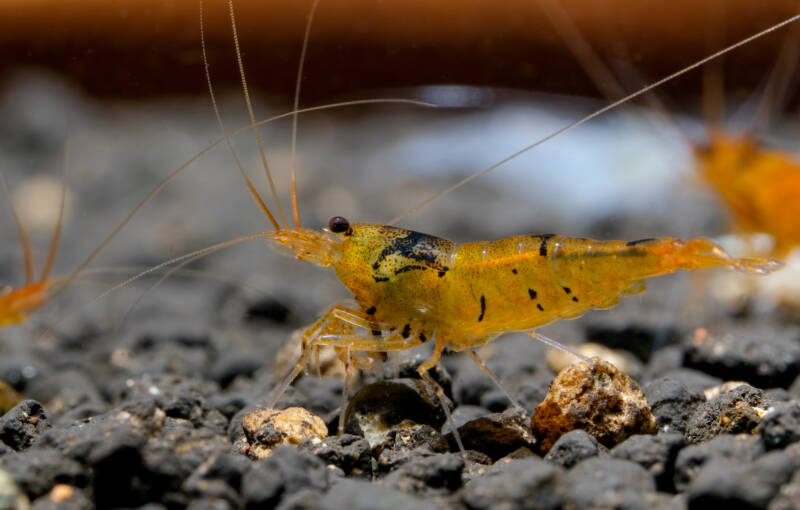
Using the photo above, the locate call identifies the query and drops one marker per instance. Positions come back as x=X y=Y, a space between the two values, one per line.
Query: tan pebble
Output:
x=265 y=429
x=558 y=360
x=60 y=493
x=596 y=397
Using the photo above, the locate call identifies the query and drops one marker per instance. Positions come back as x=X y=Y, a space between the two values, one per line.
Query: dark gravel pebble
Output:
x=283 y=473
x=788 y=497
x=77 y=500
x=672 y=403
x=513 y=484
x=351 y=454
x=694 y=380
x=38 y=469
x=781 y=425
x=498 y=434
x=20 y=426
x=361 y=495
x=427 y=476
x=722 y=483
x=765 y=357
x=609 y=483
x=725 y=447
x=573 y=447
x=656 y=453
x=406 y=444
x=739 y=410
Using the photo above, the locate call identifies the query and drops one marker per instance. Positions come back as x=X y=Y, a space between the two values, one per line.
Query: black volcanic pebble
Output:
x=516 y=484
x=406 y=444
x=349 y=453
x=671 y=403
x=725 y=447
x=725 y=484
x=739 y=410
x=781 y=425
x=283 y=473
x=573 y=447
x=788 y=497
x=427 y=476
x=362 y=495
x=608 y=483
x=38 y=469
x=497 y=434
x=656 y=453
x=20 y=426
x=694 y=380
x=220 y=479
x=765 y=357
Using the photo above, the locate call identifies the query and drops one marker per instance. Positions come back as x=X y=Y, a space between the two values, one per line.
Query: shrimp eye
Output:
x=338 y=225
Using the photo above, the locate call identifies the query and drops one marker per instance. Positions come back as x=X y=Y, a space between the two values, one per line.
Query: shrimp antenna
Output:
x=254 y=127
x=591 y=116
x=253 y=192
x=295 y=210
x=775 y=91
x=56 y=238
x=27 y=252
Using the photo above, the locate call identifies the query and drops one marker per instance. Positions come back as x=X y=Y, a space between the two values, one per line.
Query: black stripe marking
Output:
x=539 y=306
x=406 y=331
x=381 y=279
x=371 y=310
x=532 y=293
x=483 y=307
x=408 y=268
x=377 y=332
x=444 y=270
x=574 y=299
x=514 y=271
x=543 y=245
x=422 y=337
x=567 y=289
x=639 y=241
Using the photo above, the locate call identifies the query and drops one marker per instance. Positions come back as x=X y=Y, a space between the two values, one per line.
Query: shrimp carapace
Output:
x=413 y=287
x=760 y=186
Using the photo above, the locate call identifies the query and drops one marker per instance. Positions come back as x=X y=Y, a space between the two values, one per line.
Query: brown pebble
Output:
x=596 y=397
x=265 y=429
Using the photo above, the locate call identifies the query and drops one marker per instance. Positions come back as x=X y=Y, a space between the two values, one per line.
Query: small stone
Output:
x=695 y=380
x=725 y=447
x=740 y=485
x=22 y=425
x=763 y=356
x=63 y=497
x=285 y=472
x=350 y=453
x=408 y=443
x=593 y=396
x=380 y=407
x=512 y=484
x=498 y=434
x=437 y=474
x=781 y=425
x=37 y=470
x=267 y=428
x=739 y=410
x=656 y=454
x=608 y=483
x=672 y=403
x=788 y=497
x=716 y=391
x=11 y=497
x=573 y=447
x=362 y=495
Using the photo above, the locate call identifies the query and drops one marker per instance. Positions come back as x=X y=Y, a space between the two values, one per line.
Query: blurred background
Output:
x=116 y=90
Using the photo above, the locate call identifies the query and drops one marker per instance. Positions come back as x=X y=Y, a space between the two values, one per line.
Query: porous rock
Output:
x=656 y=454
x=596 y=397
x=672 y=403
x=573 y=447
x=725 y=447
x=781 y=425
x=740 y=484
x=410 y=442
x=20 y=426
x=38 y=470
x=267 y=428
x=524 y=483
x=285 y=472
x=428 y=476
x=608 y=483
x=349 y=453
x=739 y=410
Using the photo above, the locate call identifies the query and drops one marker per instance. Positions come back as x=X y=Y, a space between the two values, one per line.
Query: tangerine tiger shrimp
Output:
x=413 y=288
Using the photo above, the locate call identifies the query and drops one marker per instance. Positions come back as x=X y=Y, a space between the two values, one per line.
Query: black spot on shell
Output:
x=532 y=293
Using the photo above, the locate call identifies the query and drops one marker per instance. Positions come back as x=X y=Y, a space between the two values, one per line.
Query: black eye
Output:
x=337 y=225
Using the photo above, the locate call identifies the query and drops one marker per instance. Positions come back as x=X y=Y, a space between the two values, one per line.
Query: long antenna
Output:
x=253 y=192
x=261 y=150
x=54 y=241
x=591 y=116
x=295 y=210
